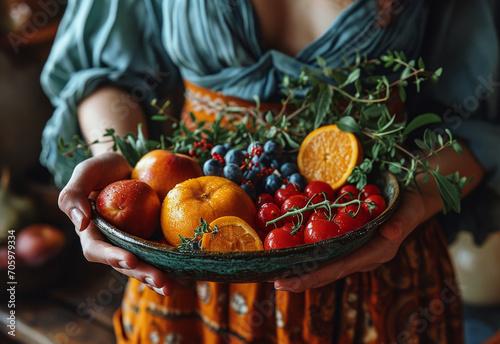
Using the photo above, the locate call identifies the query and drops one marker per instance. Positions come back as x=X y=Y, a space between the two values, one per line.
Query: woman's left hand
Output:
x=380 y=249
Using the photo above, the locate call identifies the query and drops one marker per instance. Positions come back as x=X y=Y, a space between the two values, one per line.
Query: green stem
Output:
x=325 y=204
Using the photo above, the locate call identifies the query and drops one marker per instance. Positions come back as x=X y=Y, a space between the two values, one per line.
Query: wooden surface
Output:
x=75 y=306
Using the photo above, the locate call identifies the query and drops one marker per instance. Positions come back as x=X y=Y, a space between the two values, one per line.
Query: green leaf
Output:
x=349 y=125
x=449 y=192
x=271 y=133
x=256 y=99
x=394 y=168
x=373 y=111
x=456 y=146
x=421 y=144
x=290 y=142
x=352 y=77
x=402 y=93
x=421 y=120
x=421 y=64
x=430 y=139
x=269 y=118
x=321 y=61
x=323 y=103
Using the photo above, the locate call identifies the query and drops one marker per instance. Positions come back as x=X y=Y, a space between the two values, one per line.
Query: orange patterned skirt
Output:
x=411 y=299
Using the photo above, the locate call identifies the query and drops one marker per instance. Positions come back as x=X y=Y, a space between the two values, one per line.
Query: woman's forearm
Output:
x=107 y=108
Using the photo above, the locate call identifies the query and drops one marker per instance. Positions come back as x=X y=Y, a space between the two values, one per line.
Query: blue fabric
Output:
x=217 y=44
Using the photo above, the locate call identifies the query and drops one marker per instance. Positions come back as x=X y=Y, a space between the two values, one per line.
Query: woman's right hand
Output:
x=88 y=178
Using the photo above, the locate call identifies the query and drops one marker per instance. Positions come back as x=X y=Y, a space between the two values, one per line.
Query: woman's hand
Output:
x=380 y=249
x=88 y=178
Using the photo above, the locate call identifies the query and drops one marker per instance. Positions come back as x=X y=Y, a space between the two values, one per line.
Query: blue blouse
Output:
x=149 y=46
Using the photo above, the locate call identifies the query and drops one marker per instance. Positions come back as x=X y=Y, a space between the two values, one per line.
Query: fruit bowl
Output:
x=254 y=266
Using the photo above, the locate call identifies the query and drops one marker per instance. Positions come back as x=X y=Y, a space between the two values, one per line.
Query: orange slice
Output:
x=329 y=155
x=233 y=234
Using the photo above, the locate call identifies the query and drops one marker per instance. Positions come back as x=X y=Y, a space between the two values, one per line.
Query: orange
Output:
x=329 y=155
x=162 y=170
x=207 y=197
x=233 y=234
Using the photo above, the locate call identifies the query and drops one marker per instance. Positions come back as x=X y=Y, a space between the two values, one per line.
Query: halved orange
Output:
x=328 y=154
x=233 y=234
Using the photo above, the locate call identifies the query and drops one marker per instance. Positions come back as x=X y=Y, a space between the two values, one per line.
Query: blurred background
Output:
x=59 y=297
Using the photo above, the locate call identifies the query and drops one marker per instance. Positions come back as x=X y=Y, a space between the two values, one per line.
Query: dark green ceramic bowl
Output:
x=255 y=266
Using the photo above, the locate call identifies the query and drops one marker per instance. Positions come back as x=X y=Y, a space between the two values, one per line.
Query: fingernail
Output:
x=282 y=287
x=159 y=291
x=124 y=265
x=149 y=281
x=77 y=218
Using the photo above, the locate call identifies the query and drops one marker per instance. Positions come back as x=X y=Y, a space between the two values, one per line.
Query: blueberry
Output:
x=212 y=167
x=233 y=173
x=275 y=163
x=265 y=160
x=298 y=180
x=273 y=149
x=260 y=162
x=251 y=176
x=235 y=156
x=227 y=145
x=251 y=147
x=288 y=168
x=249 y=190
x=272 y=184
x=219 y=149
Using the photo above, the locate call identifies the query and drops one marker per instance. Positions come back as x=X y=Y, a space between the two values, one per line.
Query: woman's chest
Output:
x=290 y=25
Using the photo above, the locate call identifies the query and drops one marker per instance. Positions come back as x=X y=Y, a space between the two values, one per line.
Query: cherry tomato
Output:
x=316 y=188
x=283 y=194
x=369 y=190
x=262 y=199
x=266 y=213
x=319 y=230
x=349 y=192
x=295 y=202
x=318 y=215
x=345 y=222
x=281 y=238
x=362 y=214
x=290 y=228
x=375 y=206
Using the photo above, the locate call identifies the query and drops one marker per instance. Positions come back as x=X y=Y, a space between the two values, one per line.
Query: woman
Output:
x=111 y=56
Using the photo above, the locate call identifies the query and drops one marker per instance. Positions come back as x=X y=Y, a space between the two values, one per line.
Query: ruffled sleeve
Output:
x=101 y=43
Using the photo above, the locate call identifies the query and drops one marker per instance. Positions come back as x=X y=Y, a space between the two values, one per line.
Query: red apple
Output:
x=130 y=205
x=39 y=242
x=163 y=170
